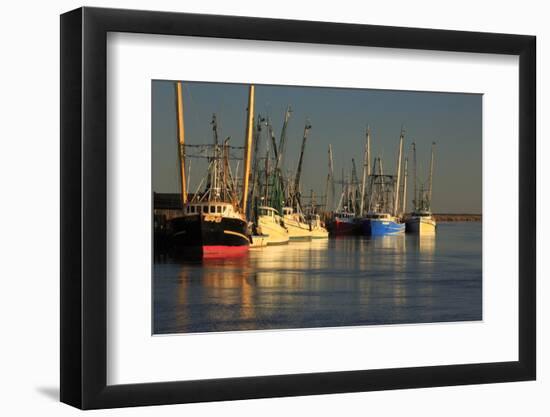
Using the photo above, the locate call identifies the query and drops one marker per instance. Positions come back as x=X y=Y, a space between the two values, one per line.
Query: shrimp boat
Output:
x=213 y=223
x=210 y=229
x=267 y=187
x=317 y=226
x=318 y=230
x=298 y=227
x=272 y=226
x=384 y=211
x=258 y=241
x=421 y=221
x=381 y=224
x=343 y=223
x=344 y=219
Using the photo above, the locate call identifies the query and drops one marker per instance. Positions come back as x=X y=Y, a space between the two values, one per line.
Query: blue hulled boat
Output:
x=382 y=224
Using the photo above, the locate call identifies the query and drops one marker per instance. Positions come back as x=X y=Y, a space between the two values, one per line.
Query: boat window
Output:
x=219 y=209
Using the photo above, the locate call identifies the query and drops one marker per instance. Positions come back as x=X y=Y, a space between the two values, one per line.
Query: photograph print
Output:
x=292 y=207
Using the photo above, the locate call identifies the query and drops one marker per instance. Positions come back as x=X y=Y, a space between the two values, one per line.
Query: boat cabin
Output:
x=344 y=215
x=267 y=211
x=287 y=211
x=214 y=208
x=381 y=216
x=422 y=213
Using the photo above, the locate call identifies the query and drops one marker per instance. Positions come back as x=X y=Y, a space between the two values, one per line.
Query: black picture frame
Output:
x=84 y=207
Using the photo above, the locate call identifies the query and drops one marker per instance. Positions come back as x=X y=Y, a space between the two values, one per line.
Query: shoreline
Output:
x=448 y=217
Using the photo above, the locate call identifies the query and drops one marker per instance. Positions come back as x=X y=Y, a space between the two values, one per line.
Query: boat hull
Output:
x=382 y=227
x=258 y=241
x=421 y=226
x=339 y=227
x=297 y=230
x=319 y=233
x=209 y=236
x=276 y=233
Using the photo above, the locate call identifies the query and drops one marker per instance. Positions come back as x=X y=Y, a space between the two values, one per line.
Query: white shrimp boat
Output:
x=258 y=241
x=298 y=227
x=272 y=225
x=421 y=223
x=318 y=230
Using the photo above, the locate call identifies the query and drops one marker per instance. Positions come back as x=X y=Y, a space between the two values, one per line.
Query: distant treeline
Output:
x=454 y=217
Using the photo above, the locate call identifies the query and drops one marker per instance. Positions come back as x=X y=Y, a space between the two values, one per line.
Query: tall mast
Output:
x=354 y=187
x=376 y=187
x=396 y=200
x=267 y=175
x=344 y=187
x=282 y=141
x=404 y=203
x=214 y=182
x=383 y=191
x=415 y=196
x=299 y=169
x=330 y=182
x=256 y=157
x=214 y=124
x=366 y=163
x=227 y=180
x=248 y=146
x=331 y=171
x=181 y=140
x=272 y=136
x=431 y=177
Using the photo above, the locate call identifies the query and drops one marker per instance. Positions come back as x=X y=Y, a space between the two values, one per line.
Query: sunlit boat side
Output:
x=378 y=224
x=214 y=222
x=272 y=225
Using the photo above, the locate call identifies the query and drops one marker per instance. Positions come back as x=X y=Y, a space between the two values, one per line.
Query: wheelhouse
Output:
x=344 y=215
x=211 y=208
x=422 y=213
x=378 y=216
x=267 y=211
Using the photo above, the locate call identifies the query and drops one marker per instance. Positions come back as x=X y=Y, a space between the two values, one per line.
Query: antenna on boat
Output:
x=181 y=141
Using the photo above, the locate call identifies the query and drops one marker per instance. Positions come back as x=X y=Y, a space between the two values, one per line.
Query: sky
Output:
x=338 y=116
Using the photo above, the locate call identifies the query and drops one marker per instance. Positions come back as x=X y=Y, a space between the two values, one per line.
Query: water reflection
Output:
x=426 y=244
x=336 y=282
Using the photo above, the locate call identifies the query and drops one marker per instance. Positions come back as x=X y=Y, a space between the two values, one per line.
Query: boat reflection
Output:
x=426 y=244
x=317 y=283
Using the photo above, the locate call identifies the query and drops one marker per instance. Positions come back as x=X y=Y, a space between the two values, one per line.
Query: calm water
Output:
x=338 y=282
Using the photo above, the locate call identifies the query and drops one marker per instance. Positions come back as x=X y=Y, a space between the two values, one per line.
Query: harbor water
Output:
x=347 y=281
